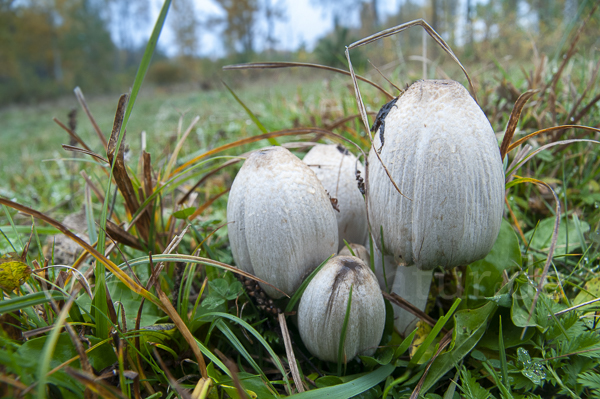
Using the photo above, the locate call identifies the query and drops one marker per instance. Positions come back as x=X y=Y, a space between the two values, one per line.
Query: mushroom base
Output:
x=411 y=284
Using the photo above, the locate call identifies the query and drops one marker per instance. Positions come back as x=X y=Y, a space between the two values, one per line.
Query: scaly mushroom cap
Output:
x=335 y=167
x=442 y=153
x=323 y=307
x=282 y=223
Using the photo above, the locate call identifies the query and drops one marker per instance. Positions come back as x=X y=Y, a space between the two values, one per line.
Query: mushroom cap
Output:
x=442 y=153
x=323 y=307
x=282 y=224
x=336 y=168
x=360 y=251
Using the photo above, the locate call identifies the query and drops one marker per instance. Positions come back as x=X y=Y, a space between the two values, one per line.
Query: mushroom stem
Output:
x=411 y=284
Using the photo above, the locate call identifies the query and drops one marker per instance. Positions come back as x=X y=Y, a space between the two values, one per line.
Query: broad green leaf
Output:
x=511 y=333
x=470 y=324
x=349 y=389
x=184 y=213
x=131 y=303
x=543 y=235
x=592 y=286
x=484 y=277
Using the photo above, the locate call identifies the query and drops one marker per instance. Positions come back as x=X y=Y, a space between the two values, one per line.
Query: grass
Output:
x=198 y=333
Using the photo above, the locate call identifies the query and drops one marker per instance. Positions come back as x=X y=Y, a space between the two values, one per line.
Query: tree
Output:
x=239 y=24
x=184 y=23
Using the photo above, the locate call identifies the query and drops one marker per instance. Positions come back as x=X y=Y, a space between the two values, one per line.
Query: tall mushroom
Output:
x=336 y=168
x=282 y=223
x=441 y=151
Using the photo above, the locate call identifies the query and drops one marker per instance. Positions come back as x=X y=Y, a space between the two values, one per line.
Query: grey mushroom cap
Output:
x=336 y=168
x=323 y=307
x=442 y=153
x=281 y=222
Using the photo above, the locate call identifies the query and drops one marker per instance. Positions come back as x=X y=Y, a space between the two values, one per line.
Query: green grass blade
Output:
x=349 y=389
x=48 y=351
x=349 y=248
x=213 y=358
x=344 y=331
x=434 y=332
x=257 y=335
x=241 y=349
x=298 y=294
x=37 y=298
x=502 y=352
x=262 y=128
x=14 y=228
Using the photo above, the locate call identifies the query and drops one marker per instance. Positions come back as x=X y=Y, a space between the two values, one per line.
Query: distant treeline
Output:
x=47 y=47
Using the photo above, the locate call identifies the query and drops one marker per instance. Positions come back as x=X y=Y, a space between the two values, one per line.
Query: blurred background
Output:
x=47 y=47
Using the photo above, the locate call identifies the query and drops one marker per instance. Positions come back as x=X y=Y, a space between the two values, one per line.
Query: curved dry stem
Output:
x=434 y=35
x=121 y=275
x=547 y=130
x=542 y=148
x=365 y=119
x=553 y=241
x=276 y=65
x=514 y=119
x=253 y=139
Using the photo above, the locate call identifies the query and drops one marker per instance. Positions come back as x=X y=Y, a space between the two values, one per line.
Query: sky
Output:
x=303 y=24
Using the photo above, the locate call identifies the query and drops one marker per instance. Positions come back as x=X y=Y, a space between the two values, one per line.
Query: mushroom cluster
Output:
x=441 y=152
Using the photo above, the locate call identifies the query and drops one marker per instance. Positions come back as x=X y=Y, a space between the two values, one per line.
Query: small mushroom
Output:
x=359 y=251
x=323 y=306
x=441 y=151
x=336 y=168
x=281 y=222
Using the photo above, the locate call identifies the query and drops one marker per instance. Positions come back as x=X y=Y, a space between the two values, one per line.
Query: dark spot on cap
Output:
x=342 y=149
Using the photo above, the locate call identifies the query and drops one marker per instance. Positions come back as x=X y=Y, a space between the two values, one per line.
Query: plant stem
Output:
x=413 y=285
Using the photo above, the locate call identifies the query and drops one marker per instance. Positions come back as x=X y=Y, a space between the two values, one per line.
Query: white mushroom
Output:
x=442 y=153
x=323 y=306
x=282 y=223
x=336 y=167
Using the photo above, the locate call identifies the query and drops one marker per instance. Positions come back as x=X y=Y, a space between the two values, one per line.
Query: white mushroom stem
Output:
x=411 y=284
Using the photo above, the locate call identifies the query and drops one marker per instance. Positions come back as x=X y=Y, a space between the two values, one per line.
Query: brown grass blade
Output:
x=234 y=374
x=208 y=203
x=114 y=269
x=94 y=384
x=444 y=342
x=73 y=135
x=118 y=234
x=275 y=65
x=179 y=145
x=248 y=140
x=570 y=53
x=434 y=35
x=170 y=310
x=365 y=119
x=83 y=103
x=547 y=130
x=120 y=171
x=147 y=173
x=409 y=307
x=553 y=241
x=206 y=177
x=514 y=120
x=289 y=350
x=71 y=148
